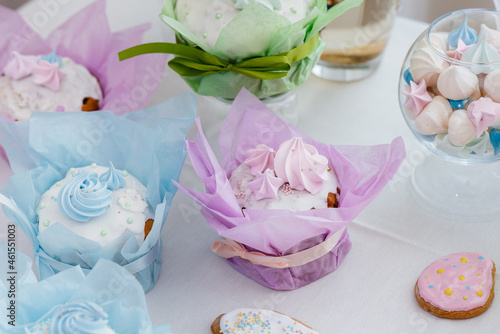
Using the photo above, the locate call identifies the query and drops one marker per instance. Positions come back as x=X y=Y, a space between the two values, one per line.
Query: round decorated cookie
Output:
x=46 y=83
x=98 y=203
x=457 y=286
x=258 y=321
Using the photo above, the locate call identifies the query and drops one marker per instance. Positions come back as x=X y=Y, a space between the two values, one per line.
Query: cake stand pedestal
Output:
x=464 y=193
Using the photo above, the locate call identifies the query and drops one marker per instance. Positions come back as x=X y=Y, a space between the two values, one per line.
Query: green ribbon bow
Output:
x=193 y=62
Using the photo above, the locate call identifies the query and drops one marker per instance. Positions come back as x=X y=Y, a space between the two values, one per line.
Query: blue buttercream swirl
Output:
x=81 y=317
x=84 y=197
x=52 y=58
x=113 y=177
x=467 y=34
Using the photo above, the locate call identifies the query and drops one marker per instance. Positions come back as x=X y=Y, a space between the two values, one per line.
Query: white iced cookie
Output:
x=461 y=130
x=45 y=88
x=457 y=83
x=258 y=321
x=492 y=85
x=97 y=203
x=425 y=64
x=206 y=18
x=434 y=118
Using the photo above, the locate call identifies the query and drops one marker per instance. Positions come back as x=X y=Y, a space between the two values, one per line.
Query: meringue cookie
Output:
x=266 y=185
x=482 y=54
x=459 y=51
x=461 y=130
x=301 y=165
x=417 y=97
x=437 y=40
x=457 y=83
x=48 y=75
x=492 y=35
x=478 y=145
x=467 y=34
x=434 y=118
x=483 y=113
x=19 y=66
x=260 y=158
x=492 y=85
x=426 y=65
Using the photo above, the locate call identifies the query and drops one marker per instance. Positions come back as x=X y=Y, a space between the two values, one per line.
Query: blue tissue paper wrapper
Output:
x=149 y=144
x=108 y=285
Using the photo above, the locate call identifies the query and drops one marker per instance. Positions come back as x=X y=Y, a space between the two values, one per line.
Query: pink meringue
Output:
x=260 y=159
x=48 y=75
x=417 y=97
x=483 y=113
x=301 y=165
x=459 y=51
x=266 y=185
x=434 y=118
x=19 y=66
x=457 y=83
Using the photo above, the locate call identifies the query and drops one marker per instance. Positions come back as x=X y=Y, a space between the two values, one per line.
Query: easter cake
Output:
x=98 y=203
x=46 y=83
x=296 y=177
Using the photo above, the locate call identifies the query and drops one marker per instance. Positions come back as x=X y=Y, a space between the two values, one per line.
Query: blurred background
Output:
x=423 y=10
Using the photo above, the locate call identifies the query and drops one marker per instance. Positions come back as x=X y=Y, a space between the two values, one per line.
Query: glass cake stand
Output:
x=459 y=183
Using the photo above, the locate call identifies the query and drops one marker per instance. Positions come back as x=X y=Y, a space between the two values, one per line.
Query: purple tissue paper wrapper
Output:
x=86 y=38
x=362 y=172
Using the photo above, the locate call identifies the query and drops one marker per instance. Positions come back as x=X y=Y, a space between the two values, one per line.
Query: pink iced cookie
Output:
x=457 y=286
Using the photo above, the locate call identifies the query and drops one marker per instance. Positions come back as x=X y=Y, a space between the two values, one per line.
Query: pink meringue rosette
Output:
x=265 y=244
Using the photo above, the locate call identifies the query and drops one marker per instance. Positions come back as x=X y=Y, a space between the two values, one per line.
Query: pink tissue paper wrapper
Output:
x=86 y=38
x=362 y=172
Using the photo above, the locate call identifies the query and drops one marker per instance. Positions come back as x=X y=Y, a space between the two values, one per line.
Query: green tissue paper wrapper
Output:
x=257 y=32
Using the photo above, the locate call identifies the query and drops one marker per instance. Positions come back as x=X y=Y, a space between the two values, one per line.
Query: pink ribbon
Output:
x=228 y=248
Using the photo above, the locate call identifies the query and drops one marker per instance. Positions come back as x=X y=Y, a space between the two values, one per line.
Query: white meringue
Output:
x=492 y=35
x=434 y=118
x=427 y=65
x=438 y=41
x=484 y=56
x=492 y=85
x=461 y=130
x=457 y=83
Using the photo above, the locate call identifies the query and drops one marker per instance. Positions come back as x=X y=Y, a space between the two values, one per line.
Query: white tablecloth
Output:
x=394 y=239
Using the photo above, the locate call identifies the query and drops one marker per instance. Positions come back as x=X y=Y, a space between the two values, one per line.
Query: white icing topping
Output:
x=18 y=98
x=257 y=321
x=206 y=18
x=294 y=200
x=113 y=223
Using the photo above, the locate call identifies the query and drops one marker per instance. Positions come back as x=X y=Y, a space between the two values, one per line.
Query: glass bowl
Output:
x=449 y=87
x=449 y=94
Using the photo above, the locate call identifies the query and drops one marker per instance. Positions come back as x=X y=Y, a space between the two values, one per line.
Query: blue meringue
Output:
x=467 y=34
x=459 y=104
x=52 y=58
x=407 y=76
